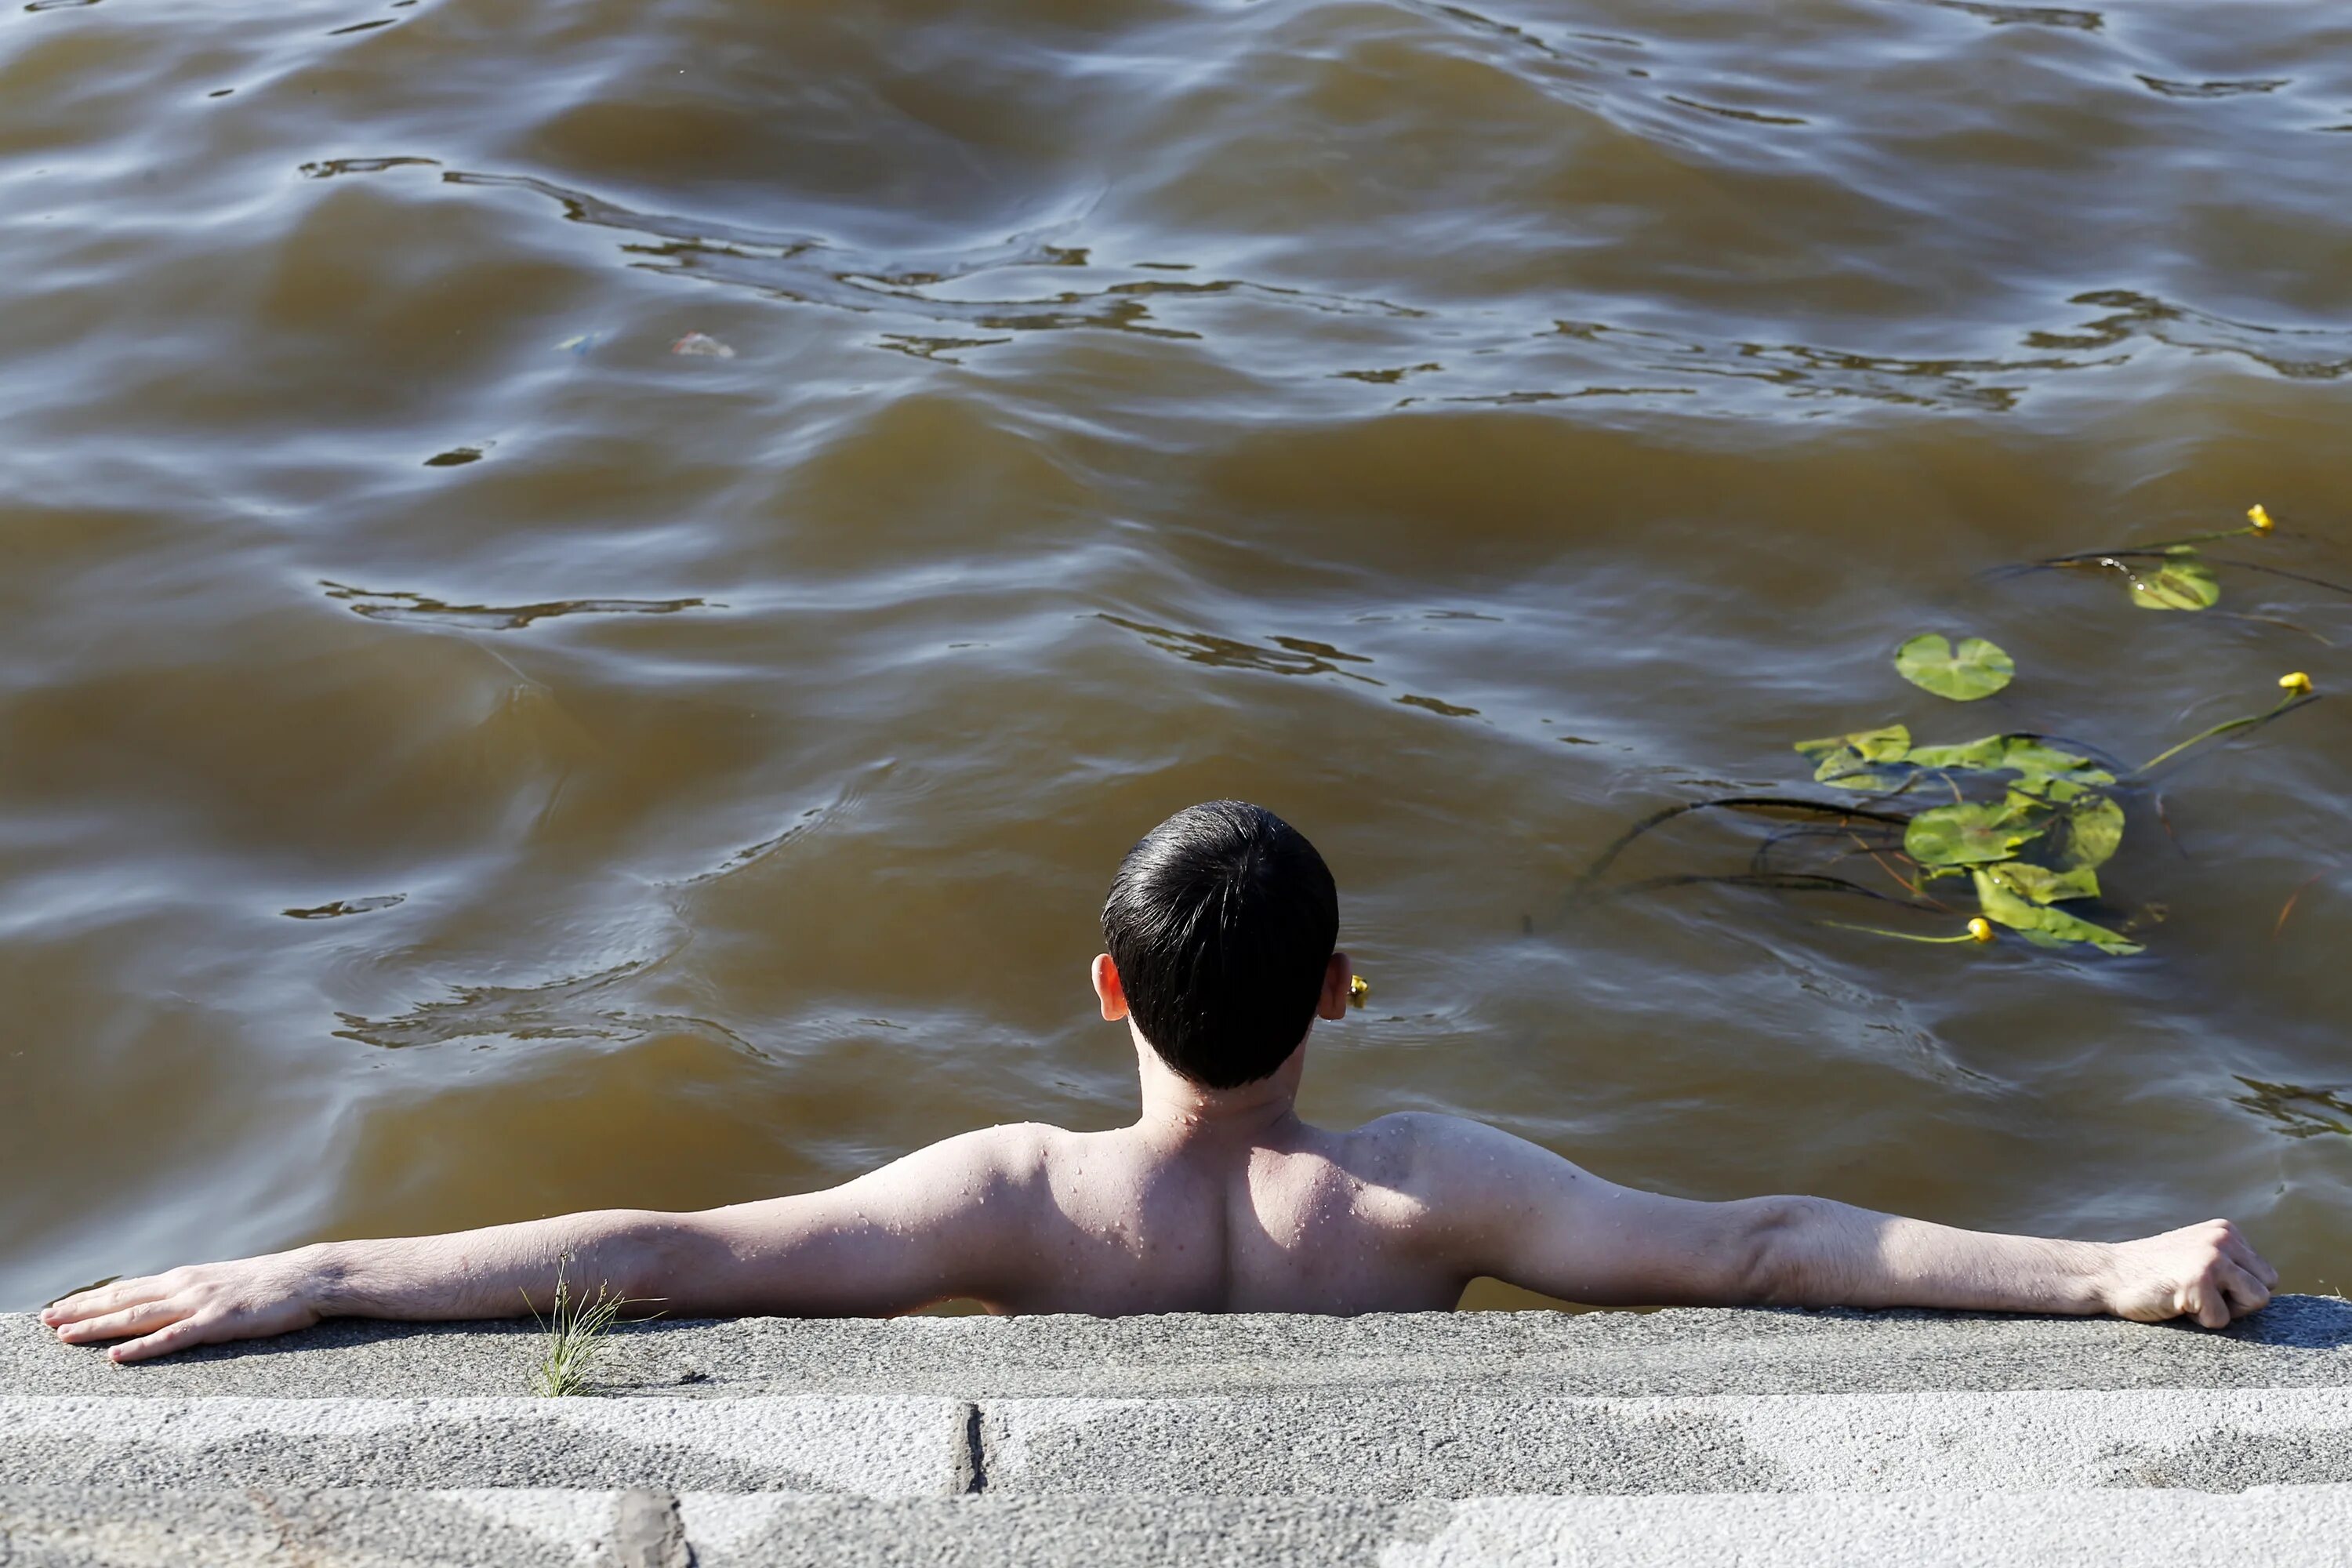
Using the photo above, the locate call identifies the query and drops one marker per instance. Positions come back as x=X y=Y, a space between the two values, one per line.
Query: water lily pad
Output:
x=2040 y=885
x=1975 y=832
x=1976 y=669
x=2025 y=754
x=2183 y=582
x=2095 y=831
x=2042 y=925
x=2035 y=760
x=1845 y=761
x=2056 y=791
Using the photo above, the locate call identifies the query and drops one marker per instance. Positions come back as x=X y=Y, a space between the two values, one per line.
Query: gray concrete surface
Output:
x=2299 y=1340
x=874 y=1444
x=1417 y=1443
x=1396 y=1444
x=77 y=1527
x=2304 y=1525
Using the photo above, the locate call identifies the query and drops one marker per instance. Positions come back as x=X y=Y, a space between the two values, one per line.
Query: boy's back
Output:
x=1294 y=1218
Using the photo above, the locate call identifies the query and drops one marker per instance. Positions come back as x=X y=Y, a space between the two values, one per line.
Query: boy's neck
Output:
x=1177 y=1108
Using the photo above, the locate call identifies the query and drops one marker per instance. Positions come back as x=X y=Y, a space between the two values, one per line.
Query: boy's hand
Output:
x=2202 y=1271
x=197 y=1306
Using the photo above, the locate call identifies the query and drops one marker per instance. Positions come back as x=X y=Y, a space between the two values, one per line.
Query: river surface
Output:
x=589 y=592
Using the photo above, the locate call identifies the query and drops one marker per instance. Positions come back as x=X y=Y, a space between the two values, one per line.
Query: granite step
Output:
x=1391 y=1444
x=522 y=1527
x=2296 y=1341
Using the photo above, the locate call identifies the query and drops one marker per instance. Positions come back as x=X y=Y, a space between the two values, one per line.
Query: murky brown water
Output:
x=463 y=759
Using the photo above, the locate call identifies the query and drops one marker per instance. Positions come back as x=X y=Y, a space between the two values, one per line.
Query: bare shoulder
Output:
x=1429 y=1148
x=955 y=1174
x=1014 y=1151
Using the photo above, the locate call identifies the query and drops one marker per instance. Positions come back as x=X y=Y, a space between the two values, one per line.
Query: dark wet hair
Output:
x=1222 y=921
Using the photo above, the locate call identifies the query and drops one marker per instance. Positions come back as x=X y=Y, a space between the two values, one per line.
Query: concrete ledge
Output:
x=331 y=1529
x=77 y=1528
x=1418 y=1443
x=874 y=1444
x=1392 y=1445
x=2299 y=1340
x=2081 y=1529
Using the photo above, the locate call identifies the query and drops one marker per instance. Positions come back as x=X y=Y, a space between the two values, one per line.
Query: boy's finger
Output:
x=2239 y=1289
x=136 y=1319
x=172 y=1336
x=2252 y=1262
x=105 y=1299
x=2201 y=1299
x=2259 y=1265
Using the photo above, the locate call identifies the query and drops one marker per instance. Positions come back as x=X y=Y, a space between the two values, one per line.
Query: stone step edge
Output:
x=653 y=1528
x=1267 y=1445
x=2296 y=1340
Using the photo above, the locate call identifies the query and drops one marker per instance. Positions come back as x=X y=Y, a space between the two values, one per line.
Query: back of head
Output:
x=1221 y=922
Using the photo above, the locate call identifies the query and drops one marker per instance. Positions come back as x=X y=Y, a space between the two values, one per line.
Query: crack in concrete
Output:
x=972 y=1461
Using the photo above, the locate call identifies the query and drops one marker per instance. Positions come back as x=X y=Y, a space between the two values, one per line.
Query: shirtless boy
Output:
x=1222 y=926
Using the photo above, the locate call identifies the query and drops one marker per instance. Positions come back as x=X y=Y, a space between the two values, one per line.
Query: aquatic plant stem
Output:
x=2291 y=899
x=1901 y=881
x=2161 y=547
x=2293 y=700
x=1787 y=881
x=1905 y=935
x=1839 y=809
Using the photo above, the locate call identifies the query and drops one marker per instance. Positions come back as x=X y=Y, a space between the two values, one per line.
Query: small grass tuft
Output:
x=573 y=1336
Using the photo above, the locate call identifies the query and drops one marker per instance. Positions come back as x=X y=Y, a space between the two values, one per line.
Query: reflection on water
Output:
x=592 y=591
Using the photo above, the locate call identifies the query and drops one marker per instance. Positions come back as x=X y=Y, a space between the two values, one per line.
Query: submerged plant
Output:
x=573 y=1337
x=2021 y=822
x=2016 y=823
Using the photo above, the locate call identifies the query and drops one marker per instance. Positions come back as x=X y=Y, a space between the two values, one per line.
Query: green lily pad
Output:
x=2095 y=831
x=1976 y=669
x=2182 y=583
x=2025 y=754
x=2043 y=926
x=2040 y=885
x=2035 y=760
x=1975 y=832
x=2056 y=791
x=1845 y=761
x=1985 y=754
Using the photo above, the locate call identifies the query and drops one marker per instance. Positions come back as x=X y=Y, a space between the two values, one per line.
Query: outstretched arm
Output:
x=1537 y=1221
x=942 y=1222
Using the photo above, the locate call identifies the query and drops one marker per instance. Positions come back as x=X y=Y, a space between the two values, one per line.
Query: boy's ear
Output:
x=1107 y=989
x=1332 y=1005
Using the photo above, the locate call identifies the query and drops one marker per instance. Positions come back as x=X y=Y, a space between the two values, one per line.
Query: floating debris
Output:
x=2300 y=1113
x=394 y=604
x=346 y=907
x=701 y=345
x=454 y=457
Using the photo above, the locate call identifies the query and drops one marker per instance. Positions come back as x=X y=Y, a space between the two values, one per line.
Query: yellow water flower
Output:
x=2295 y=685
x=2259 y=517
x=1358 y=989
x=1980 y=929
